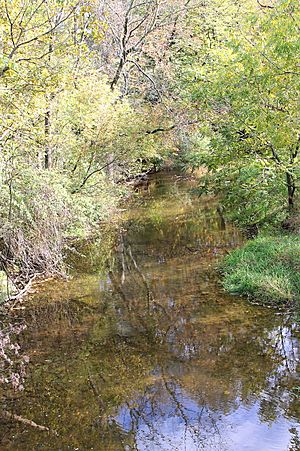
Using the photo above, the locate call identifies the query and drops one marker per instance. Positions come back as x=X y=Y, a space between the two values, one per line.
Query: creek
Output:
x=143 y=350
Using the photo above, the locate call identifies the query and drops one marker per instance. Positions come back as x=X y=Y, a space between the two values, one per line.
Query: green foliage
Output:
x=192 y=151
x=248 y=196
x=266 y=269
x=245 y=84
x=67 y=140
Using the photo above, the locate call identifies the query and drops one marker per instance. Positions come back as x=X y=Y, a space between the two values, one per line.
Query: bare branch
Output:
x=264 y=6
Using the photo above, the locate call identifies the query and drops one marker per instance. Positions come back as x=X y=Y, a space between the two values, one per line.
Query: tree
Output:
x=138 y=37
x=247 y=92
x=60 y=124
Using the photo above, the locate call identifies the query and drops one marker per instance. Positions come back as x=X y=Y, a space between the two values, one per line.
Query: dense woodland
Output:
x=96 y=92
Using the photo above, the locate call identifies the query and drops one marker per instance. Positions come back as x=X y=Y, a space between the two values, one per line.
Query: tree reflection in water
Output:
x=156 y=356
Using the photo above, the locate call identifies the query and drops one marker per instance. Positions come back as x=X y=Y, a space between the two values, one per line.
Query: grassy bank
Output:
x=266 y=269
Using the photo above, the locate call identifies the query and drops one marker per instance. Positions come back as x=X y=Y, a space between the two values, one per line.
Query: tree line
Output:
x=94 y=92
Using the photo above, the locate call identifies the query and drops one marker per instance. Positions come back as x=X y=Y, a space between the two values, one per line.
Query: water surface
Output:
x=142 y=349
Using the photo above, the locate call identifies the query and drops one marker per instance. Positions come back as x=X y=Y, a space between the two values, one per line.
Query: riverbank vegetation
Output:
x=266 y=269
x=94 y=93
x=246 y=91
x=79 y=117
x=243 y=80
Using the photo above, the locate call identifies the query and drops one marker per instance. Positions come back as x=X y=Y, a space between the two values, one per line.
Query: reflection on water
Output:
x=148 y=353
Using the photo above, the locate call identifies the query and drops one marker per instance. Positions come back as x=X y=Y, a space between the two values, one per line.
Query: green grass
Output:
x=266 y=269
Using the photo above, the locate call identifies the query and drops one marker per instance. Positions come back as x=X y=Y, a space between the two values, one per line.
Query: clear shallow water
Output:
x=142 y=349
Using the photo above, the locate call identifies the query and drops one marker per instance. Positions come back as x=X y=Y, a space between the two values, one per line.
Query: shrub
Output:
x=37 y=216
x=34 y=217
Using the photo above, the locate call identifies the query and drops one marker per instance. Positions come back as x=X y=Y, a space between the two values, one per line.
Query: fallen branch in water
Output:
x=12 y=416
x=18 y=297
x=21 y=292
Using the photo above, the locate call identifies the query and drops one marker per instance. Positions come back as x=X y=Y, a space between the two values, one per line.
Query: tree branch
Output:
x=265 y=6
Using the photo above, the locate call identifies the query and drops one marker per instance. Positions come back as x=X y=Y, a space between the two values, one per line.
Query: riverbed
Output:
x=143 y=350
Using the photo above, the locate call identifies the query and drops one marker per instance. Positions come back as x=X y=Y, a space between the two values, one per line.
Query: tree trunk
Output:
x=47 y=116
x=47 y=133
x=291 y=191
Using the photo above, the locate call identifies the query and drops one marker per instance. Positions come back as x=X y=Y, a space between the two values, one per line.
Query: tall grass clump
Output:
x=266 y=269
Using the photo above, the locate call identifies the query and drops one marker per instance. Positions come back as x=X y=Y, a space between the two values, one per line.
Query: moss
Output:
x=266 y=269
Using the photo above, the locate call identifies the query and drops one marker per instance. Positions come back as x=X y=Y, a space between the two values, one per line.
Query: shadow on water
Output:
x=146 y=352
